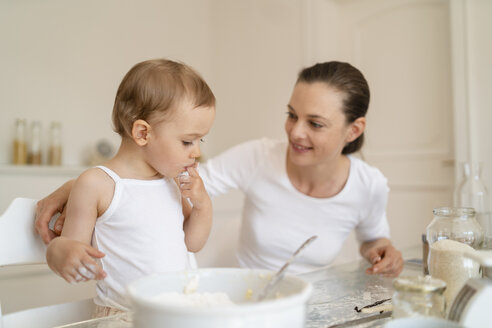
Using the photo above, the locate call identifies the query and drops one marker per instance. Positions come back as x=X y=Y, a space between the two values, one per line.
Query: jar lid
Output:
x=454 y=211
x=419 y=284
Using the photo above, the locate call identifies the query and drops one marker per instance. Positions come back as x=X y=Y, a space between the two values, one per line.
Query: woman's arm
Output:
x=234 y=168
x=385 y=259
x=49 y=206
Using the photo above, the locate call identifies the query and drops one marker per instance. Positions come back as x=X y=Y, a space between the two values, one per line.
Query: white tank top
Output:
x=141 y=232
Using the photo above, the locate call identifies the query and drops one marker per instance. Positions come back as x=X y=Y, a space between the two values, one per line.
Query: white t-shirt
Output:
x=277 y=218
x=141 y=233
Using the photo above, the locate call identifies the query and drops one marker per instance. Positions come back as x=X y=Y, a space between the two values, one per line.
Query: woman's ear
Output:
x=356 y=128
x=141 y=132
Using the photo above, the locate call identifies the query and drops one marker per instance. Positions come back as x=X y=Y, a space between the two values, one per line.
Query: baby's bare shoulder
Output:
x=94 y=179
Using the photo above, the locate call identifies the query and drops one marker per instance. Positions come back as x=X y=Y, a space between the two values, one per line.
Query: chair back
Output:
x=19 y=242
x=21 y=245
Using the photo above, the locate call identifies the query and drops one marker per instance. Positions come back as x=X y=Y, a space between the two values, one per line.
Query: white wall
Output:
x=479 y=20
x=63 y=60
x=256 y=55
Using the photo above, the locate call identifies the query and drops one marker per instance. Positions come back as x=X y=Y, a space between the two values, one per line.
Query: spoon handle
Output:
x=280 y=274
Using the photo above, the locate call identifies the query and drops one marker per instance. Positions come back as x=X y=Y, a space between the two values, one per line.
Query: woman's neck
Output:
x=129 y=162
x=320 y=180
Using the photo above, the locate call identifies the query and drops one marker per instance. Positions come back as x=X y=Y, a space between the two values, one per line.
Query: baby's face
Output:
x=174 y=144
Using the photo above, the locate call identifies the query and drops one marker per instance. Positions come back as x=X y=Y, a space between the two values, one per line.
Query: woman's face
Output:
x=316 y=125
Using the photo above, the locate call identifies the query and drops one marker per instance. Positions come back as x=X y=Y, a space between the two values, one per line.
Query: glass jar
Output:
x=35 y=144
x=453 y=231
x=418 y=296
x=456 y=223
x=19 y=155
x=55 y=149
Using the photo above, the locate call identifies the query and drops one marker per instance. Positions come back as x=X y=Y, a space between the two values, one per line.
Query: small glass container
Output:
x=35 y=144
x=55 y=149
x=455 y=223
x=19 y=156
x=452 y=231
x=418 y=296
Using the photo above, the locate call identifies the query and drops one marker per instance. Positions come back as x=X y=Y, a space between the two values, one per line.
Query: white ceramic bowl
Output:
x=287 y=310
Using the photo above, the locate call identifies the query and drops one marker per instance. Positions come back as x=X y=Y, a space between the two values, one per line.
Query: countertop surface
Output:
x=337 y=291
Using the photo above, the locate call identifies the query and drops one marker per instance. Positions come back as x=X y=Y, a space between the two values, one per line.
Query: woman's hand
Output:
x=385 y=259
x=49 y=206
x=74 y=261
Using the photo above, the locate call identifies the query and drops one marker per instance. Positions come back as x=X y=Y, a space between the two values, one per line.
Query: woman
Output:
x=309 y=185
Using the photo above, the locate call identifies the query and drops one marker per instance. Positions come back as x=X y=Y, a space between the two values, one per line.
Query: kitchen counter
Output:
x=337 y=291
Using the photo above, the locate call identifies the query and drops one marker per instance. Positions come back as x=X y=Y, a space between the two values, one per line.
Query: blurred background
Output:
x=427 y=63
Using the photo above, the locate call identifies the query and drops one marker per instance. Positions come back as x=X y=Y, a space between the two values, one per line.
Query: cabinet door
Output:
x=403 y=49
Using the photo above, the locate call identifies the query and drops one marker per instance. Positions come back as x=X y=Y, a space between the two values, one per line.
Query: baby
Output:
x=139 y=212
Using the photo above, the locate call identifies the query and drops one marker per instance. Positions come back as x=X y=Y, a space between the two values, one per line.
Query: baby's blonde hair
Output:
x=154 y=87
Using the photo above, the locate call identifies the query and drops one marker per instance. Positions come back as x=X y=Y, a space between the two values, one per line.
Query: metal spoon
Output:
x=280 y=274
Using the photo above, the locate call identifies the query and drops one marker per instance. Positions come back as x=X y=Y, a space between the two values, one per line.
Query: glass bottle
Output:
x=35 y=144
x=20 y=147
x=418 y=296
x=55 y=149
x=472 y=192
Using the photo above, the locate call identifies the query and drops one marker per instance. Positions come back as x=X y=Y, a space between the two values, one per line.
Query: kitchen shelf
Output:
x=44 y=170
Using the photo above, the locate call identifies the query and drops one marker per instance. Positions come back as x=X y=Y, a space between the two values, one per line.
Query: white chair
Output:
x=21 y=246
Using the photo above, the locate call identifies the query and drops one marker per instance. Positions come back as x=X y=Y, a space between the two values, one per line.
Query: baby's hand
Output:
x=74 y=260
x=192 y=187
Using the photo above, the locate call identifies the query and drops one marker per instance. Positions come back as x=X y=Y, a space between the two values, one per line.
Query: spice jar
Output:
x=55 y=149
x=418 y=296
x=35 y=144
x=20 y=145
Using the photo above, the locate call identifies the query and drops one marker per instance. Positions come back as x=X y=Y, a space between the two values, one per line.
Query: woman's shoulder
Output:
x=366 y=174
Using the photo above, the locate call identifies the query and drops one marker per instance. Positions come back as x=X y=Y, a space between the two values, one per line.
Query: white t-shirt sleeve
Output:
x=232 y=169
x=374 y=224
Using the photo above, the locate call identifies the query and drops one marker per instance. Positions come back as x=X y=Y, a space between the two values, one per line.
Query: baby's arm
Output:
x=64 y=256
x=198 y=219
x=71 y=255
